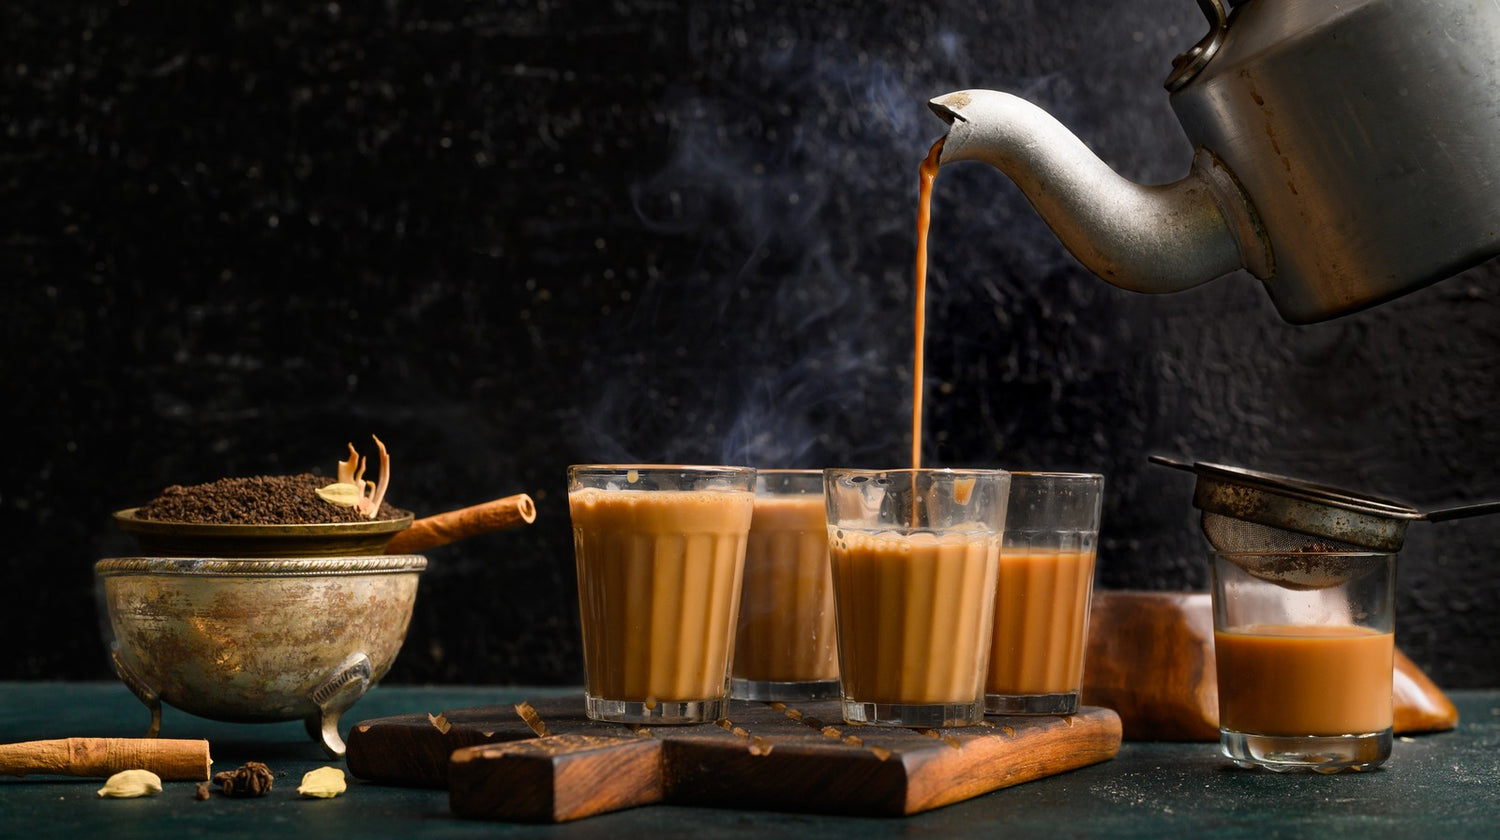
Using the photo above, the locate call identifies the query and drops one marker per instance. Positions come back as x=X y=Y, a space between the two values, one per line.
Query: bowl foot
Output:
x=325 y=730
x=342 y=689
x=145 y=693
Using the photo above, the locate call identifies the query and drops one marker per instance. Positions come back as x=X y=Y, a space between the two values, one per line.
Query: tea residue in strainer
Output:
x=1225 y=533
x=1316 y=569
x=1297 y=561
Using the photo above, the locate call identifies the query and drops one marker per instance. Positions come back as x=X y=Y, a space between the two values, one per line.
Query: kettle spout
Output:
x=1143 y=238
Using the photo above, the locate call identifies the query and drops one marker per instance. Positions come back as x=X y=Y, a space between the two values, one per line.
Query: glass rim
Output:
x=1089 y=476
x=705 y=469
x=789 y=482
x=959 y=471
x=789 y=471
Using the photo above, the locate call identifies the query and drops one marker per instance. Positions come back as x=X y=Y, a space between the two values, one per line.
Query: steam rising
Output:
x=777 y=333
x=783 y=340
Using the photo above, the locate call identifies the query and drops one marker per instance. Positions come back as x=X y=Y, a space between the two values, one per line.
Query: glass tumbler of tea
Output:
x=784 y=648
x=1304 y=647
x=660 y=551
x=915 y=554
x=1042 y=599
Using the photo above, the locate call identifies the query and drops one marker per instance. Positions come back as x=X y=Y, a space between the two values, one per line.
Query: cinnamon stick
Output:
x=172 y=760
x=443 y=528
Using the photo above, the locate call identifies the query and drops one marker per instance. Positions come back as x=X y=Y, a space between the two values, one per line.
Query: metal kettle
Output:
x=1346 y=153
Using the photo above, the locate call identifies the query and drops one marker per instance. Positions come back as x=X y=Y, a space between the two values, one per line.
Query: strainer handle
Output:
x=1164 y=461
x=1461 y=512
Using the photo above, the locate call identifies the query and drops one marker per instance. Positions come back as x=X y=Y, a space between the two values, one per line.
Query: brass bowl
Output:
x=159 y=538
x=257 y=640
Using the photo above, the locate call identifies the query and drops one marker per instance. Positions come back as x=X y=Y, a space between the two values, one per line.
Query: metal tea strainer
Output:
x=1282 y=517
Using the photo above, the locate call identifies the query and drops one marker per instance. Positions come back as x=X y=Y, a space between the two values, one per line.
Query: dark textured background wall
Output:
x=507 y=236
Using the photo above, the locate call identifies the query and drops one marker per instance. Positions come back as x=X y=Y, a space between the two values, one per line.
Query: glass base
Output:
x=1031 y=704
x=656 y=713
x=923 y=715
x=1303 y=753
x=767 y=690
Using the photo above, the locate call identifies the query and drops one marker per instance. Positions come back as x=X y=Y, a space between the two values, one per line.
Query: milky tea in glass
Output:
x=784 y=648
x=1305 y=649
x=660 y=551
x=915 y=554
x=1043 y=596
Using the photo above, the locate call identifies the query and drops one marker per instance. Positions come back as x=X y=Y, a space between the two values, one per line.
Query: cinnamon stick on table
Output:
x=171 y=759
x=443 y=528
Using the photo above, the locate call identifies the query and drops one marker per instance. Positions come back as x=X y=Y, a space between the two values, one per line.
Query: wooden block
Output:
x=1420 y=705
x=555 y=779
x=1151 y=658
x=414 y=749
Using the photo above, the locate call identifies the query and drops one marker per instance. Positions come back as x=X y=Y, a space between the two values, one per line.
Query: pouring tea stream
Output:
x=1345 y=154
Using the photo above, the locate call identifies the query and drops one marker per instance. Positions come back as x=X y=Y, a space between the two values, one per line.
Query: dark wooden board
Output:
x=548 y=763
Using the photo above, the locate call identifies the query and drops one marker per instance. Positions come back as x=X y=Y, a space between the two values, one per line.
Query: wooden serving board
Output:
x=549 y=763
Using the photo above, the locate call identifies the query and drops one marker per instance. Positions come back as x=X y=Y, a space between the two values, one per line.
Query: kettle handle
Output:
x=1187 y=65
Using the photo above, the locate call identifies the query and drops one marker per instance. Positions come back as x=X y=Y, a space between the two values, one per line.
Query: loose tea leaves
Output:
x=257 y=500
x=303 y=499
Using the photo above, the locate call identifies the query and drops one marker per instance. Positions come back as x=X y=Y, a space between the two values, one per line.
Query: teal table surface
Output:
x=1444 y=785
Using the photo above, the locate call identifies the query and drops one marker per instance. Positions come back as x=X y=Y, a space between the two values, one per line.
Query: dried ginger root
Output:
x=352 y=490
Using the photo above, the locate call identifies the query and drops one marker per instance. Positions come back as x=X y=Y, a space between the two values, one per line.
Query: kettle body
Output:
x=1366 y=136
x=1345 y=153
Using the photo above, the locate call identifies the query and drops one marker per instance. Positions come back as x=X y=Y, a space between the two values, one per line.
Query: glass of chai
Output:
x=784 y=648
x=915 y=554
x=1042 y=600
x=660 y=551
x=1304 y=647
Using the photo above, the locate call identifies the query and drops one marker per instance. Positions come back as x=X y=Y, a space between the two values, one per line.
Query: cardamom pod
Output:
x=128 y=784
x=323 y=783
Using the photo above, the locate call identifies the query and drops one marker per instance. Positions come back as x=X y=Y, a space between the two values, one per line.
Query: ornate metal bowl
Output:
x=257 y=639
